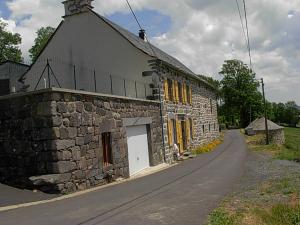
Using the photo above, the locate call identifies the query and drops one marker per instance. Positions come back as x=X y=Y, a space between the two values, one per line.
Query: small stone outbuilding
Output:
x=276 y=132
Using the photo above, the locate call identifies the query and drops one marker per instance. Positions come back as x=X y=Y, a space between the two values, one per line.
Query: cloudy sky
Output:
x=201 y=33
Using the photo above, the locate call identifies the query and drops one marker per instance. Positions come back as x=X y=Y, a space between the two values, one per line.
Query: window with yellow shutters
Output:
x=170 y=86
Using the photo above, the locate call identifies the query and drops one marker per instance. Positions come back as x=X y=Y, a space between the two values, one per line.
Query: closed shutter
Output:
x=190 y=100
x=176 y=92
x=170 y=133
x=166 y=89
x=188 y=132
x=179 y=135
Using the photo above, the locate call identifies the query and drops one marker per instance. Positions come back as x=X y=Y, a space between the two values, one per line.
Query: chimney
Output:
x=142 y=34
x=77 y=6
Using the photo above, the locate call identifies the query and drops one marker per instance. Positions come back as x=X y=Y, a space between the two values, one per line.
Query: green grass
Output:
x=220 y=217
x=280 y=215
x=291 y=149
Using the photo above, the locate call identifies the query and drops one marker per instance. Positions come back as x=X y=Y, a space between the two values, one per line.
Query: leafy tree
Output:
x=291 y=113
x=211 y=81
x=240 y=94
x=43 y=35
x=9 y=45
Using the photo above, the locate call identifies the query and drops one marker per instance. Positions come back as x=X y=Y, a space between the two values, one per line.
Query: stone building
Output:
x=102 y=103
x=276 y=132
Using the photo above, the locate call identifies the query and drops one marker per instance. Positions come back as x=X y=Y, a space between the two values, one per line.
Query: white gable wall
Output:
x=86 y=41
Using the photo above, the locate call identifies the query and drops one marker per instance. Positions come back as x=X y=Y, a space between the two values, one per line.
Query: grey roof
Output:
x=145 y=47
x=259 y=125
x=13 y=62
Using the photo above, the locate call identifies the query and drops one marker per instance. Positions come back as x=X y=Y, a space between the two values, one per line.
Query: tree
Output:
x=9 y=45
x=211 y=81
x=43 y=35
x=239 y=90
x=291 y=113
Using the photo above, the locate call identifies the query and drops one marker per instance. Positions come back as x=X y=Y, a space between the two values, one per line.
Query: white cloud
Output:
x=203 y=34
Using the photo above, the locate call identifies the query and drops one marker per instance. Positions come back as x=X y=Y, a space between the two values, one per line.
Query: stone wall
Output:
x=205 y=118
x=55 y=136
x=276 y=136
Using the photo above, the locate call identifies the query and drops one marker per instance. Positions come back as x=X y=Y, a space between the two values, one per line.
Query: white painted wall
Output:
x=89 y=43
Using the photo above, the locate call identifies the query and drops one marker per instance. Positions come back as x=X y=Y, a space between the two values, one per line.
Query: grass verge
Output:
x=289 y=151
x=269 y=193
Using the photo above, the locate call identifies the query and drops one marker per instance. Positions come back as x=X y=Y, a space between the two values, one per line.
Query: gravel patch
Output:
x=266 y=181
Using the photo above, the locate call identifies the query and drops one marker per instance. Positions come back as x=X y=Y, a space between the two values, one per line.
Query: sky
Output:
x=200 y=33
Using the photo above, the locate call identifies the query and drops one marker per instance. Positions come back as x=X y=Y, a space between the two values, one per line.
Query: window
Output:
x=107 y=150
x=209 y=127
x=180 y=92
x=203 y=129
x=171 y=92
x=188 y=93
x=211 y=107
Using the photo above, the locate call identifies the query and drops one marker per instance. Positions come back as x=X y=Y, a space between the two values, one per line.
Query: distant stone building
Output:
x=276 y=132
x=102 y=103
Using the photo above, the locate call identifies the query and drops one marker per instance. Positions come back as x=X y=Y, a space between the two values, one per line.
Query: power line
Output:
x=249 y=48
x=159 y=86
x=242 y=23
x=136 y=19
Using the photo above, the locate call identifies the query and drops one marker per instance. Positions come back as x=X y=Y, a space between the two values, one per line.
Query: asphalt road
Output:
x=11 y=196
x=181 y=195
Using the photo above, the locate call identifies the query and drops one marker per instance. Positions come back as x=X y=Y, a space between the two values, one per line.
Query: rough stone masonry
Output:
x=54 y=138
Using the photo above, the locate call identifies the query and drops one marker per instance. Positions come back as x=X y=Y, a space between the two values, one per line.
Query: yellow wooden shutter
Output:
x=191 y=101
x=174 y=91
x=188 y=132
x=170 y=132
x=166 y=89
x=179 y=134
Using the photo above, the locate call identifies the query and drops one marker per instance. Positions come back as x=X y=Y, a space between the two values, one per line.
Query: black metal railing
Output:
x=57 y=73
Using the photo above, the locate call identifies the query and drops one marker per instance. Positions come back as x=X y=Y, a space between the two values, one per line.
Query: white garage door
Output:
x=138 y=152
